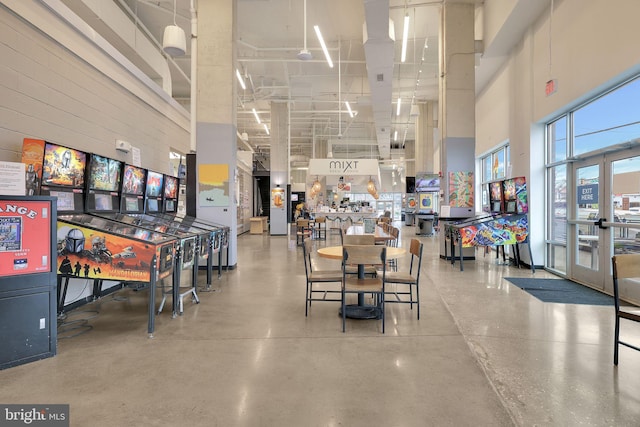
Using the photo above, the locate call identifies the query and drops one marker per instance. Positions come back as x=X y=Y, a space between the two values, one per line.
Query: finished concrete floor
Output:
x=484 y=353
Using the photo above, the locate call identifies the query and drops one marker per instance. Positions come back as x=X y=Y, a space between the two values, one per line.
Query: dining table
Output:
x=360 y=310
x=379 y=234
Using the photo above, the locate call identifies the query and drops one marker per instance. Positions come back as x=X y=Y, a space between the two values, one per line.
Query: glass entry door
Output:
x=605 y=219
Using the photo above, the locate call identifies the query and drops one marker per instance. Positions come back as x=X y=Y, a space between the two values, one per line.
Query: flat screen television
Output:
x=427 y=183
x=294 y=197
x=133 y=180
x=411 y=184
x=154 y=184
x=170 y=187
x=63 y=166
x=104 y=173
x=511 y=206
x=170 y=206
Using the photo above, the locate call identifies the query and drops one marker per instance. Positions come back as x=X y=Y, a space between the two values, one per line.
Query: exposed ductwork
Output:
x=379 y=38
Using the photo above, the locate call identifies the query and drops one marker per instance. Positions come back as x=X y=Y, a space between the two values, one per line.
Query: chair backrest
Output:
x=301 y=223
x=415 y=249
x=364 y=254
x=321 y=219
x=306 y=251
x=358 y=239
x=395 y=233
x=625 y=266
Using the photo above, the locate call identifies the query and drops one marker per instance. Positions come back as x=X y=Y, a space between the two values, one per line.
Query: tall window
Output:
x=494 y=166
x=605 y=121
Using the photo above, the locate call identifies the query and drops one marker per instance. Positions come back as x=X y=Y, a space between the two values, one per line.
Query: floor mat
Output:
x=561 y=291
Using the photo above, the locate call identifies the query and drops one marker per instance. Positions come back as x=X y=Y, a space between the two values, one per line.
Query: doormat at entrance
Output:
x=561 y=291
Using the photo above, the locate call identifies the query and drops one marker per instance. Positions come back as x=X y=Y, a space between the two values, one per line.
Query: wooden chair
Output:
x=363 y=254
x=360 y=239
x=626 y=266
x=395 y=233
x=318 y=278
x=303 y=230
x=410 y=278
x=320 y=228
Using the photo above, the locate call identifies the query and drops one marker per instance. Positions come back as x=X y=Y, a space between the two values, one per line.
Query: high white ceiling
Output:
x=270 y=34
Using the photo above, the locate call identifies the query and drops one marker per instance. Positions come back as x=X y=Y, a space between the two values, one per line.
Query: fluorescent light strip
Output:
x=398 y=109
x=395 y=136
x=324 y=46
x=405 y=34
x=266 y=128
x=240 y=79
x=255 y=113
x=349 y=109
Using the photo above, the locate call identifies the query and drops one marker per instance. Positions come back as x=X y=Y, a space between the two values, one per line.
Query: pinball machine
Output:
x=142 y=188
x=505 y=224
x=218 y=234
x=91 y=249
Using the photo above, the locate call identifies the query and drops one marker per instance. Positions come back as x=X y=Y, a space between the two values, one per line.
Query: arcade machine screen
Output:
x=170 y=193
x=133 y=179
x=63 y=172
x=154 y=191
x=509 y=192
x=495 y=197
x=104 y=184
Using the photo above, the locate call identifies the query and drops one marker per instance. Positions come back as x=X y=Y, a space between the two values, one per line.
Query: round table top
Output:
x=335 y=252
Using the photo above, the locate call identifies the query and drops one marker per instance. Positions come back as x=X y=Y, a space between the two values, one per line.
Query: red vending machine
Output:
x=27 y=279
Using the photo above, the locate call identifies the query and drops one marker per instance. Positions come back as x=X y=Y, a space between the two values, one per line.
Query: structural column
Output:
x=424 y=154
x=279 y=164
x=457 y=104
x=216 y=143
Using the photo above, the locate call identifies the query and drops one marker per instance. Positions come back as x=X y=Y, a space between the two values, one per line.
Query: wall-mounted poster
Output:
x=426 y=202
x=33 y=157
x=213 y=185
x=277 y=198
x=411 y=202
x=461 y=189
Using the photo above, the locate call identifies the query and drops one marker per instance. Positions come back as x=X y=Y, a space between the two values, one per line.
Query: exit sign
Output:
x=551 y=87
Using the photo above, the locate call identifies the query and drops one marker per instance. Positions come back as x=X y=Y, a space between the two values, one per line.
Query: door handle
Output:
x=599 y=223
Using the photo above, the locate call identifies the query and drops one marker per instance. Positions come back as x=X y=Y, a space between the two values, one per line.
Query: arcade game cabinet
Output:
x=136 y=182
x=27 y=279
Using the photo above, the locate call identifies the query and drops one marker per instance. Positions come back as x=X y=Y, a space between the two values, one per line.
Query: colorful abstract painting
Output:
x=213 y=185
x=461 y=189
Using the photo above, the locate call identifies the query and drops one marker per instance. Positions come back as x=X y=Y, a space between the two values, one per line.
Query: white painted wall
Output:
x=591 y=47
x=74 y=93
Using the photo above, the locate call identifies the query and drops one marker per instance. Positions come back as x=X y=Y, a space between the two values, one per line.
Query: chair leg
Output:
x=382 y=308
x=615 y=343
x=344 y=313
x=418 y=300
x=306 y=302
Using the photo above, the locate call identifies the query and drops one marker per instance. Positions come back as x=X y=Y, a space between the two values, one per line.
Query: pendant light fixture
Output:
x=174 y=42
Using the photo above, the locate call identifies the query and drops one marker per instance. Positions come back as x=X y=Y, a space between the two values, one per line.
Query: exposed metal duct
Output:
x=378 y=41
